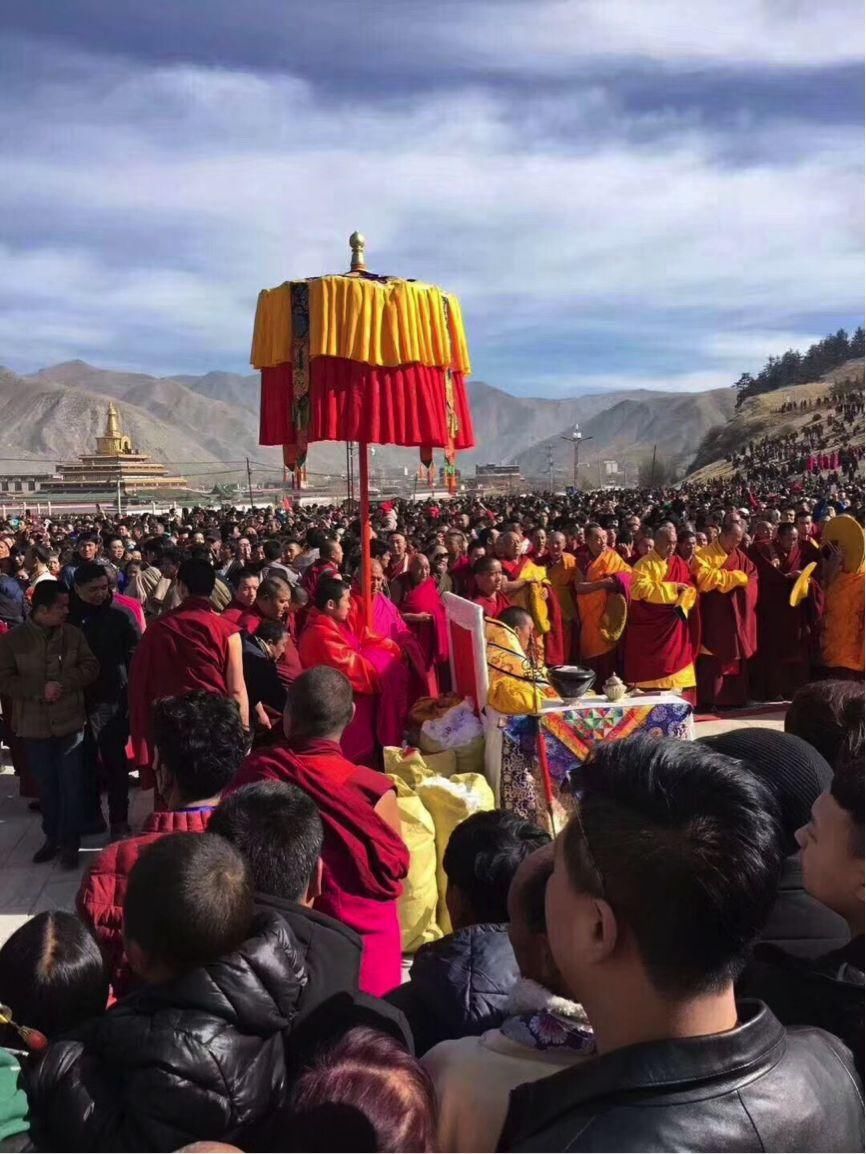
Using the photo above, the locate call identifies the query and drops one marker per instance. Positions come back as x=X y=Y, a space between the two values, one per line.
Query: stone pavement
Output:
x=27 y=889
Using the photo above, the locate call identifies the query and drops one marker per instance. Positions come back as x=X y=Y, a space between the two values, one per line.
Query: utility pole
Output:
x=119 y=502
x=550 y=468
x=576 y=436
x=250 y=483
x=653 y=470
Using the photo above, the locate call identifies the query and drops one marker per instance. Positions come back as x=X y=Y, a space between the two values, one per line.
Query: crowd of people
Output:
x=681 y=967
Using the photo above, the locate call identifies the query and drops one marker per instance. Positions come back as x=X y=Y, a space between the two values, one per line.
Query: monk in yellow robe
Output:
x=663 y=628
x=606 y=574
x=727 y=581
x=561 y=570
x=526 y=586
x=843 y=624
x=518 y=682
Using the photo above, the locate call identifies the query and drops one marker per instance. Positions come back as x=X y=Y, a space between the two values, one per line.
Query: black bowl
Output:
x=571 y=681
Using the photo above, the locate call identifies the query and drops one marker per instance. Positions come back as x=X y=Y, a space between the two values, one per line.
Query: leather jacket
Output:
x=756 y=1087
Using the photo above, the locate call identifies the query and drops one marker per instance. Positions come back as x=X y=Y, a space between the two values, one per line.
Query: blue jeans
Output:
x=57 y=763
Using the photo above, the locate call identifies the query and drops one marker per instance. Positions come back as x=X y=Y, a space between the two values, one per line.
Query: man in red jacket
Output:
x=200 y=744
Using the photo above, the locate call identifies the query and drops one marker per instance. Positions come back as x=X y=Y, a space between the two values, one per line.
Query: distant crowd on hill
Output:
x=796 y=368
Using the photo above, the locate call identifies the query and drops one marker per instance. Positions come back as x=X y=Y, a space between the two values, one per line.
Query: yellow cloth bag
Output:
x=450 y=801
x=413 y=766
x=418 y=902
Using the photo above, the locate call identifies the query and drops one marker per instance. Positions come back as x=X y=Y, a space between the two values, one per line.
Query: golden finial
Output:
x=357 y=245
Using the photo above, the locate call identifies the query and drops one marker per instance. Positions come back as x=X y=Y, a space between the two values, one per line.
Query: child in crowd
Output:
x=52 y=978
x=198 y=1052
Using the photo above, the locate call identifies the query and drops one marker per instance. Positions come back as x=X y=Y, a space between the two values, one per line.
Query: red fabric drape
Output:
x=350 y=401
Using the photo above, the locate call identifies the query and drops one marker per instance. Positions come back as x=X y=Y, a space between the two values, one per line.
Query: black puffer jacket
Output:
x=201 y=1057
x=458 y=986
x=112 y=635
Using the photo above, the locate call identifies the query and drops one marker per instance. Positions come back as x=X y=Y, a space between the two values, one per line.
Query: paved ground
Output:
x=27 y=889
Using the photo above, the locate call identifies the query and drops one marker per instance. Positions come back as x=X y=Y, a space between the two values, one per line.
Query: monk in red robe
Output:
x=246 y=587
x=364 y=858
x=786 y=635
x=328 y=565
x=489 y=582
x=459 y=565
x=527 y=586
x=374 y=666
x=417 y=597
x=188 y=648
x=727 y=581
x=663 y=635
x=388 y=623
x=399 y=562
x=273 y=602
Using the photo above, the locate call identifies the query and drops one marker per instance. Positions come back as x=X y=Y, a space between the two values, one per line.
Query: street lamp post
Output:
x=576 y=436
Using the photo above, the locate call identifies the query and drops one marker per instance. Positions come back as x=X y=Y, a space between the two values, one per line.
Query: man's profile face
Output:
x=340 y=610
x=832 y=869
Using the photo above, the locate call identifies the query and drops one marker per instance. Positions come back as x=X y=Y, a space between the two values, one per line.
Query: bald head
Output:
x=763 y=532
x=511 y=542
x=319 y=705
x=731 y=535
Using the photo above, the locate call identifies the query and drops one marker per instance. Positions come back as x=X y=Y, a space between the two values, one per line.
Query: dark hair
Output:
x=515 y=617
x=816 y=714
x=42 y=553
x=685 y=847
x=46 y=593
x=484 y=564
x=155 y=546
x=198 y=577
x=328 y=548
x=366 y=1093
x=272 y=631
x=329 y=589
x=272 y=550
x=89 y=571
x=847 y=785
x=276 y=828
x=319 y=702
x=201 y=741
x=173 y=556
x=52 y=974
x=482 y=857
x=244 y=575
x=189 y=900
x=315 y=538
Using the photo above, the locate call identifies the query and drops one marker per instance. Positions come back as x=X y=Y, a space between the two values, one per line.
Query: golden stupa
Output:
x=114 y=461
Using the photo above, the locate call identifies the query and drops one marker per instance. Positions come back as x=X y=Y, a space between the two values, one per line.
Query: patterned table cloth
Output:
x=565 y=737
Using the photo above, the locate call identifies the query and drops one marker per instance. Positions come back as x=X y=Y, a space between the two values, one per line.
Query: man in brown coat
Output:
x=45 y=666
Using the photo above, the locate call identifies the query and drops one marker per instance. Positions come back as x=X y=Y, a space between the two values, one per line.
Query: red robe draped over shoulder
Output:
x=662 y=639
x=364 y=861
x=182 y=651
x=432 y=635
x=785 y=634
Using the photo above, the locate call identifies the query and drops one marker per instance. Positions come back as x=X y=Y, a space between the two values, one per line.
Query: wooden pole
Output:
x=364 y=517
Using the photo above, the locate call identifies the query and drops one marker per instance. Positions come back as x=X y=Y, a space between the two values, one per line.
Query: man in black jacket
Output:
x=460 y=985
x=277 y=829
x=112 y=635
x=826 y=991
x=662 y=882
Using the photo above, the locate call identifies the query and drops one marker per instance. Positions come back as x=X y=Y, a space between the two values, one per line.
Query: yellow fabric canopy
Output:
x=385 y=323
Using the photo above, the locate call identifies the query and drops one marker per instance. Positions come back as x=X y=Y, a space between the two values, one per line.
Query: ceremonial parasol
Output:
x=358 y=357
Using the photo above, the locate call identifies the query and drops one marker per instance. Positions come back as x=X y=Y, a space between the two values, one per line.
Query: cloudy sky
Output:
x=623 y=192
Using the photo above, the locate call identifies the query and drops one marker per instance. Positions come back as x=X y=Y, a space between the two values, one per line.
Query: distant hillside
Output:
x=627 y=431
x=760 y=416
x=232 y=388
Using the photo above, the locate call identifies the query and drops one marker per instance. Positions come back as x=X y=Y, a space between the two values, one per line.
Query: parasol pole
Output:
x=364 y=517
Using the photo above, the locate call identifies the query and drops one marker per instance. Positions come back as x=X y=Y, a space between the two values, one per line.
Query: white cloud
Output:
x=730 y=33
x=254 y=180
